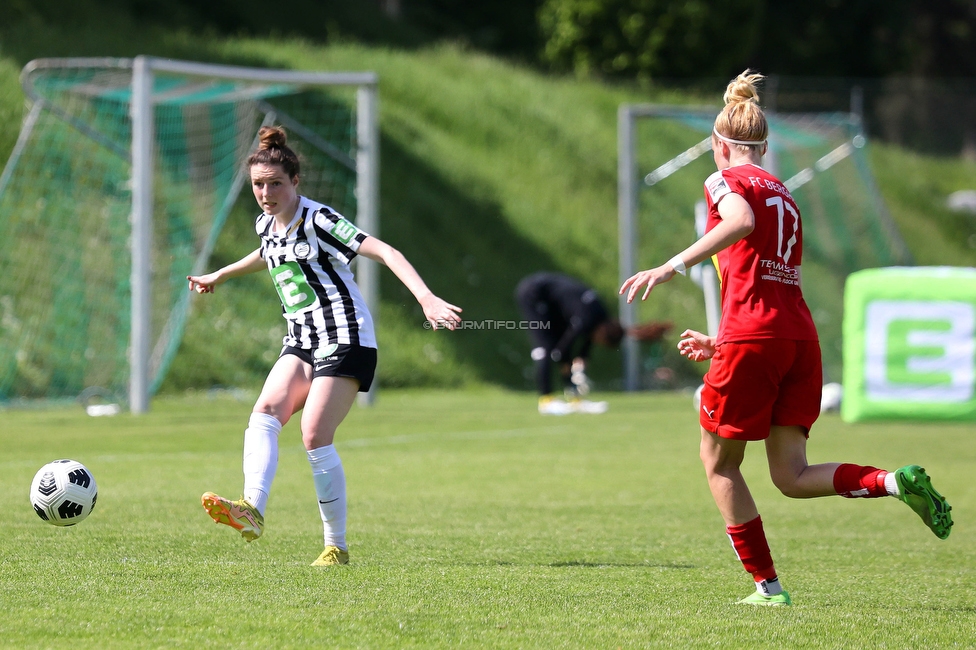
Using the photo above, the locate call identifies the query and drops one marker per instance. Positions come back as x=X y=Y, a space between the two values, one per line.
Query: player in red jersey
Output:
x=765 y=378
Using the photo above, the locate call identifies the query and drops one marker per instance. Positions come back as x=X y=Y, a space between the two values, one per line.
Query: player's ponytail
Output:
x=272 y=137
x=742 y=122
x=273 y=150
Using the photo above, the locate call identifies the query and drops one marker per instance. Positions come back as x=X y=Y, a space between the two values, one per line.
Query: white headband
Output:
x=748 y=143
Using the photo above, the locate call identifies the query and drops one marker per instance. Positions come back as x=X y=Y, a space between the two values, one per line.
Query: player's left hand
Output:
x=696 y=346
x=440 y=313
x=650 y=278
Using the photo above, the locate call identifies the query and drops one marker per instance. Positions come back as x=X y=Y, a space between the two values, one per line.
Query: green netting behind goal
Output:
x=65 y=206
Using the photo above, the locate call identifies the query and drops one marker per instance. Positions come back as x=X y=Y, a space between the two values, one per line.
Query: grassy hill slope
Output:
x=488 y=172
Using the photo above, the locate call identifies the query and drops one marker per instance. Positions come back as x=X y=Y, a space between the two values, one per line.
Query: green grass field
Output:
x=474 y=522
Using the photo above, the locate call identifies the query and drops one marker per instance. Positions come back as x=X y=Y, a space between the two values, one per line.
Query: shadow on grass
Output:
x=468 y=253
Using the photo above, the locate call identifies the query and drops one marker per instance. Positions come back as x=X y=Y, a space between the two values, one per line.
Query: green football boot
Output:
x=917 y=491
x=781 y=599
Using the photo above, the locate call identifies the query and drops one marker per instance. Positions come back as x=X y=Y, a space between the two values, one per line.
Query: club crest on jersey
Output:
x=303 y=250
x=322 y=353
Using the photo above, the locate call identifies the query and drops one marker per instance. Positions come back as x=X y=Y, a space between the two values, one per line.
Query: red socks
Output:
x=749 y=542
x=854 y=481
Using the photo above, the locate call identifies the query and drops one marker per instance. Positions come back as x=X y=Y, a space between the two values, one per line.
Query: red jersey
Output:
x=761 y=297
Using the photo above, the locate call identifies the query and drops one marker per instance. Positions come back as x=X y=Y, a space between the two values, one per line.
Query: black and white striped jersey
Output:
x=309 y=264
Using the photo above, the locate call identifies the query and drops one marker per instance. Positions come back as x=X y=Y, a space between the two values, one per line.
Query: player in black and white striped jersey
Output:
x=329 y=351
x=319 y=298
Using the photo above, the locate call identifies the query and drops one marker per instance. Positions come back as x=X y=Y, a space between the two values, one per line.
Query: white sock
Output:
x=330 y=488
x=260 y=458
x=769 y=587
x=891 y=485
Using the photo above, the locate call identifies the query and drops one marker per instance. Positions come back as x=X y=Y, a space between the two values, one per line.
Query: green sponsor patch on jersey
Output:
x=344 y=231
x=292 y=287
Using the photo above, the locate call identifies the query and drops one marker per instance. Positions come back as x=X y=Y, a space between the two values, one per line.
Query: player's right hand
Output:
x=649 y=278
x=202 y=283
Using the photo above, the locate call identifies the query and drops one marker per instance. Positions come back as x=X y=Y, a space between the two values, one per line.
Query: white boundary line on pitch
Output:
x=355 y=443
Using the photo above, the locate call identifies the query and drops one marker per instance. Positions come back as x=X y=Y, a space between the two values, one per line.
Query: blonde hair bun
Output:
x=743 y=88
x=742 y=122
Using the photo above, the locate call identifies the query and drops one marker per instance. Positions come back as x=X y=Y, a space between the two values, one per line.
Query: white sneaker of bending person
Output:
x=586 y=406
x=549 y=405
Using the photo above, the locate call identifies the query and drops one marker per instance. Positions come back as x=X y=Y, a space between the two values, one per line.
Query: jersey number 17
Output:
x=781 y=208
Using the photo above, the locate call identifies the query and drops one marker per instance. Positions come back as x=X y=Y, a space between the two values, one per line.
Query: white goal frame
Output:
x=366 y=162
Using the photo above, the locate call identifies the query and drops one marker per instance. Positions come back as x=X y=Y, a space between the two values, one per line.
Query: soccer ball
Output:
x=63 y=492
x=831 y=397
x=696 y=398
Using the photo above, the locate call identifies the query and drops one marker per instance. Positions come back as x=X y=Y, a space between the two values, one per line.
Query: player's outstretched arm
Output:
x=696 y=346
x=737 y=222
x=438 y=312
x=250 y=263
x=649 y=278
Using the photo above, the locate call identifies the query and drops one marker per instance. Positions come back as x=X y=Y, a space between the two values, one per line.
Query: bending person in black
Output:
x=569 y=318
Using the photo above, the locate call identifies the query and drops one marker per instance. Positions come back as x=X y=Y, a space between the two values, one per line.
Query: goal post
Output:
x=366 y=154
x=822 y=158
x=139 y=162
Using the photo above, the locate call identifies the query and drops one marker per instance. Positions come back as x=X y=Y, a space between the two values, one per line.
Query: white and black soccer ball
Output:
x=63 y=492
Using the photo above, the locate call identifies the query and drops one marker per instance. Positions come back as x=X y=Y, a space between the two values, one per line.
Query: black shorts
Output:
x=342 y=361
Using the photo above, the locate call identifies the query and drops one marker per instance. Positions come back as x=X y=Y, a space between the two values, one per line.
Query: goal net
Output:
x=122 y=177
x=665 y=155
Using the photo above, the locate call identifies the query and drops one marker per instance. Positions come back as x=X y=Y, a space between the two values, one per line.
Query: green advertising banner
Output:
x=910 y=344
